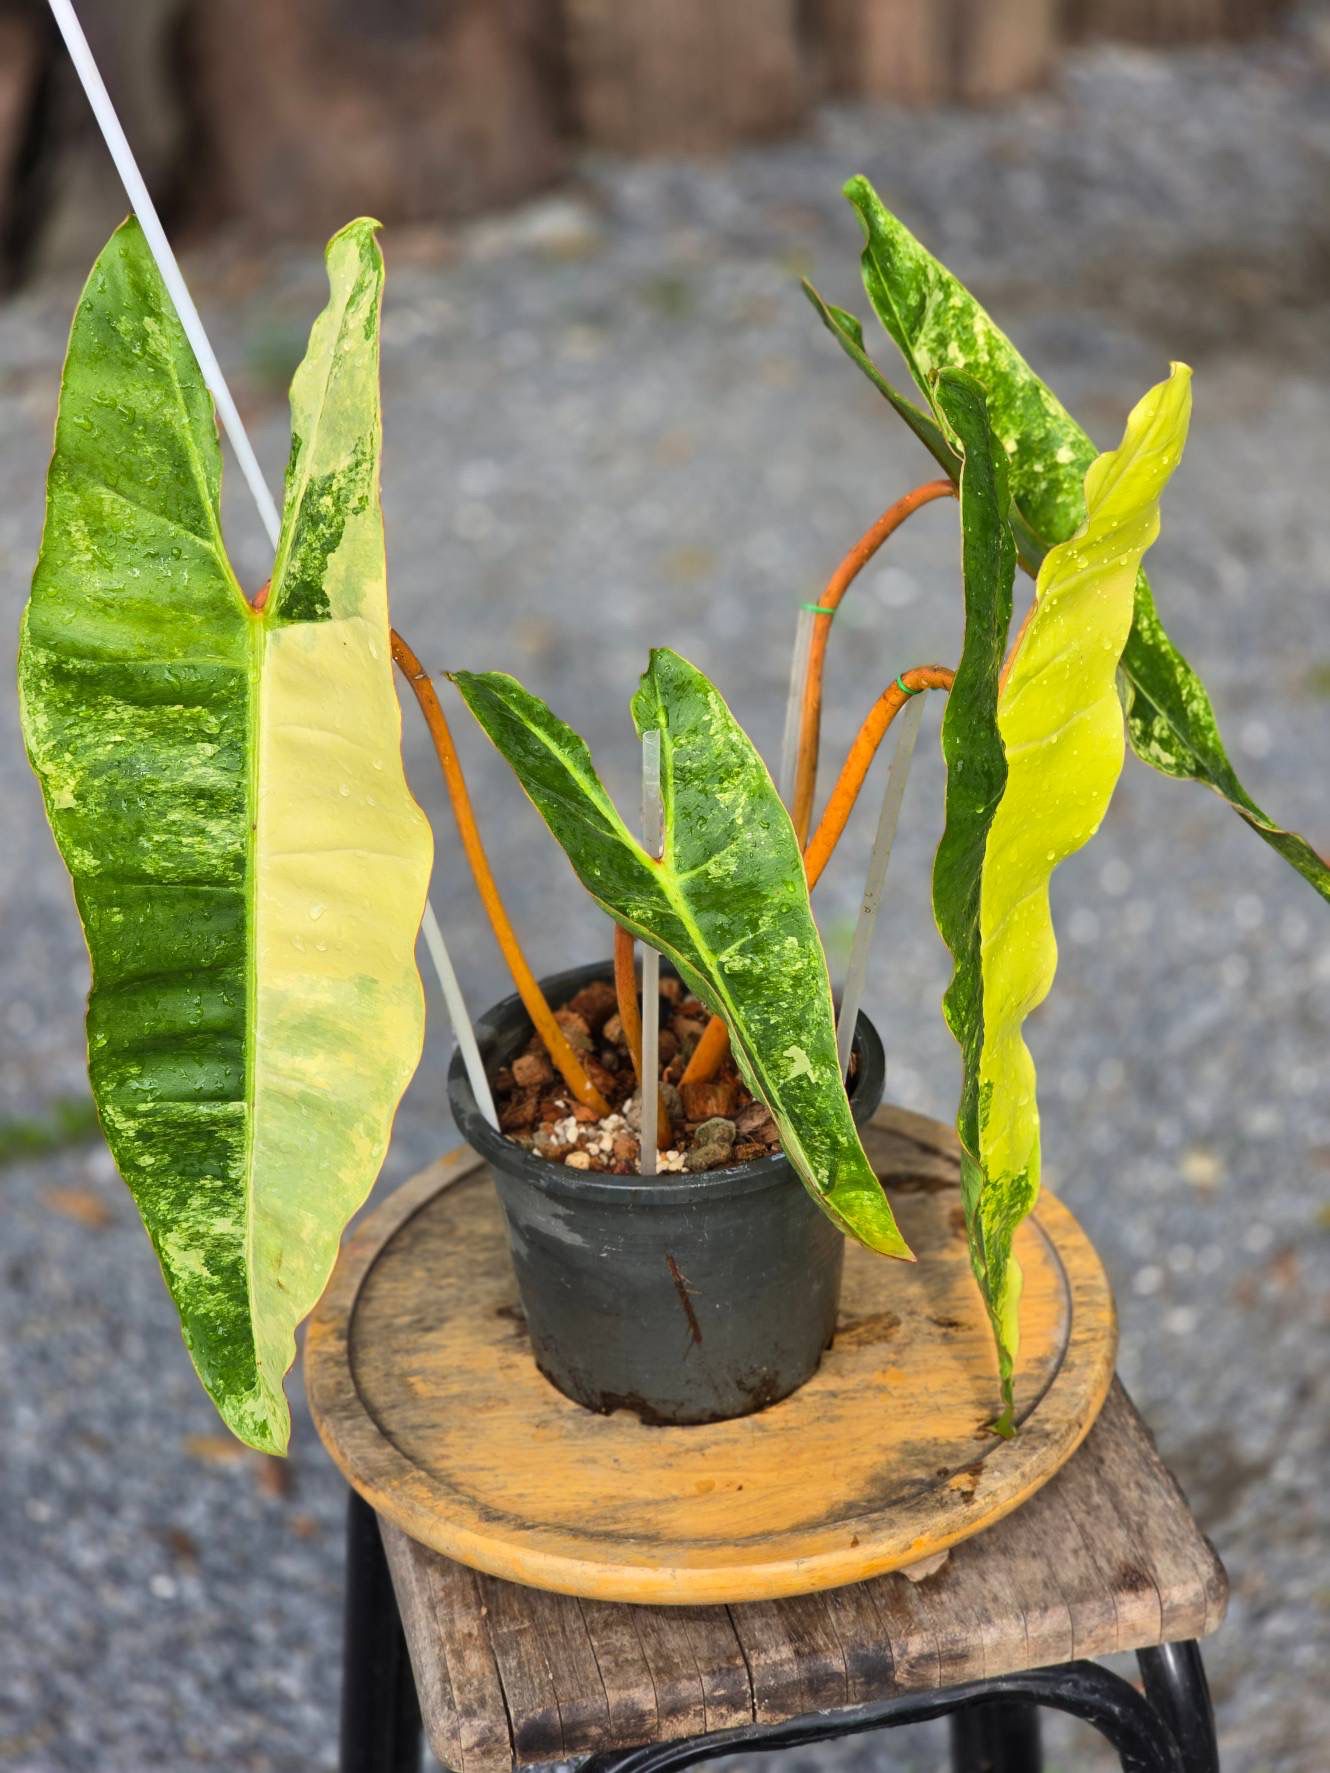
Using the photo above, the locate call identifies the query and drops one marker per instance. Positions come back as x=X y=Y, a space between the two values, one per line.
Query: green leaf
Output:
x=226 y=789
x=976 y=779
x=936 y=322
x=727 y=903
x=848 y=333
x=1060 y=725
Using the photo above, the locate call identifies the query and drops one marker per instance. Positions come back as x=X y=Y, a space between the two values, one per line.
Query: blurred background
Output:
x=611 y=421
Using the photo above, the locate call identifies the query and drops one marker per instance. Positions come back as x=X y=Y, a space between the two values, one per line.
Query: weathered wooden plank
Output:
x=908 y=1631
x=869 y=1670
x=528 y=1684
x=557 y=1622
x=727 y=1690
x=1106 y=1524
x=680 y=1701
x=630 y=1692
x=1057 y=1544
x=957 y=1611
x=414 y=1584
x=443 y=1616
x=794 y=1656
x=1105 y=1557
x=1028 y=1563
x=1188 y=1578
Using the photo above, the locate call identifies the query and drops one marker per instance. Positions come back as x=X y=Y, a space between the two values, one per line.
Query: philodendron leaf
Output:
x=1060 y=724
x=727 y=902
x=935 y=321
x=226 y=789
x=976 y=780
x=848 y=333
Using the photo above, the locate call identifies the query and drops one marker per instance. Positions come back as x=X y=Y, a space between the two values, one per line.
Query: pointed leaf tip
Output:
x=727 y=903
x=933 y=319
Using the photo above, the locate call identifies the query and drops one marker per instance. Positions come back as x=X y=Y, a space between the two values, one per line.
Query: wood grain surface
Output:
x=1105 y=1558
x=425 y=1393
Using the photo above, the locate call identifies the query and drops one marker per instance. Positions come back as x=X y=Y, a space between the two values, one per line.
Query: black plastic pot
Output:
x=685 y=1298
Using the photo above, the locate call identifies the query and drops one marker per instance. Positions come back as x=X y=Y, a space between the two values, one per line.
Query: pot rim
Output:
x=678 y=1188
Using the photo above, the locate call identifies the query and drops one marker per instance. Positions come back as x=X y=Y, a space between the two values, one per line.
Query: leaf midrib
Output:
x=663 y=872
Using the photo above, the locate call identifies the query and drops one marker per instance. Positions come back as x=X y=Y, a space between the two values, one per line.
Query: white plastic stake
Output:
x=461 y=1021
x=144 y=208
x=794 y=707
x=653 y=835
x=907 y=731
x=142 y=204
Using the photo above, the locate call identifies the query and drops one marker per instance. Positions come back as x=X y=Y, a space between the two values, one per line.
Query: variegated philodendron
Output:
x=1032 y=762
x=226 y=788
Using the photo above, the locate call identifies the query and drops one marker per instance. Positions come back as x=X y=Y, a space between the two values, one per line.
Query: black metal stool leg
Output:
x=1176 y=1686
x=380 y=1711
x=1002 y=1737
x=1084 y=1689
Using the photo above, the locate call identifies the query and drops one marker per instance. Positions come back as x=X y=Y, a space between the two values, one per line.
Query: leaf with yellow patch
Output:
x=226 y=789
x=1060 y=725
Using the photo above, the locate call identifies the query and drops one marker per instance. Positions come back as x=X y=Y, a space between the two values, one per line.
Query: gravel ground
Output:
x=612 y=421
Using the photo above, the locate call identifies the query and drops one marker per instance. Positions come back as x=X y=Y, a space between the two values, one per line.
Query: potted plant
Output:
x=224 y=780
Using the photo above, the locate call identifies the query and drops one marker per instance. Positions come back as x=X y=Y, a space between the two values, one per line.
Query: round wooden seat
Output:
x=425 y=1393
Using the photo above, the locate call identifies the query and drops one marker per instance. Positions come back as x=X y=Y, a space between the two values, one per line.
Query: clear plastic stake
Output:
x=907 y=731
x=457 y=1014
x=794 y=707
x=653 y=835
x=160 y=247
x=142 y=204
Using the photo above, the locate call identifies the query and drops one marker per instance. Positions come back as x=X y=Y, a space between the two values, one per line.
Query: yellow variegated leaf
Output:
x=1061 y=726
x=226 y=788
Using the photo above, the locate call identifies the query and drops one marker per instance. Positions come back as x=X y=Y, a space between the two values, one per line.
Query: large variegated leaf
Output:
x=727 y=902
x=976 y=780
x=935 y=321
x=1060 y=724
x=226 y=789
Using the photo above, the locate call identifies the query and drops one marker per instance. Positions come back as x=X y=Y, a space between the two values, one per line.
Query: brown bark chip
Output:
x=717 y=1095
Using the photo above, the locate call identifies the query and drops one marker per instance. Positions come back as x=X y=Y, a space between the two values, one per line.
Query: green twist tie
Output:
x=817 y=609
x=905 y=689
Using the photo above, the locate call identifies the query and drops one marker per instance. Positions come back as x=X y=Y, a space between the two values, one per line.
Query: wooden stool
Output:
x=1104 y=1557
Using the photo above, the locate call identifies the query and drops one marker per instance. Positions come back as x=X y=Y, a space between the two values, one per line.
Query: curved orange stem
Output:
x=810 y=723
x=533 y=998
x=861 y=755
x=625 y=989
x=710 y=1051
x=709 y=1054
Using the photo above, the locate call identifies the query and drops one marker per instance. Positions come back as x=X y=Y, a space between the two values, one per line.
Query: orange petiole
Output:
x=810 y=725
x=709 y=1053
x=533 y=998
x=860 y=758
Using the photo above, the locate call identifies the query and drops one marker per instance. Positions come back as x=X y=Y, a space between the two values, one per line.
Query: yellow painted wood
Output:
x=425 y=1393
